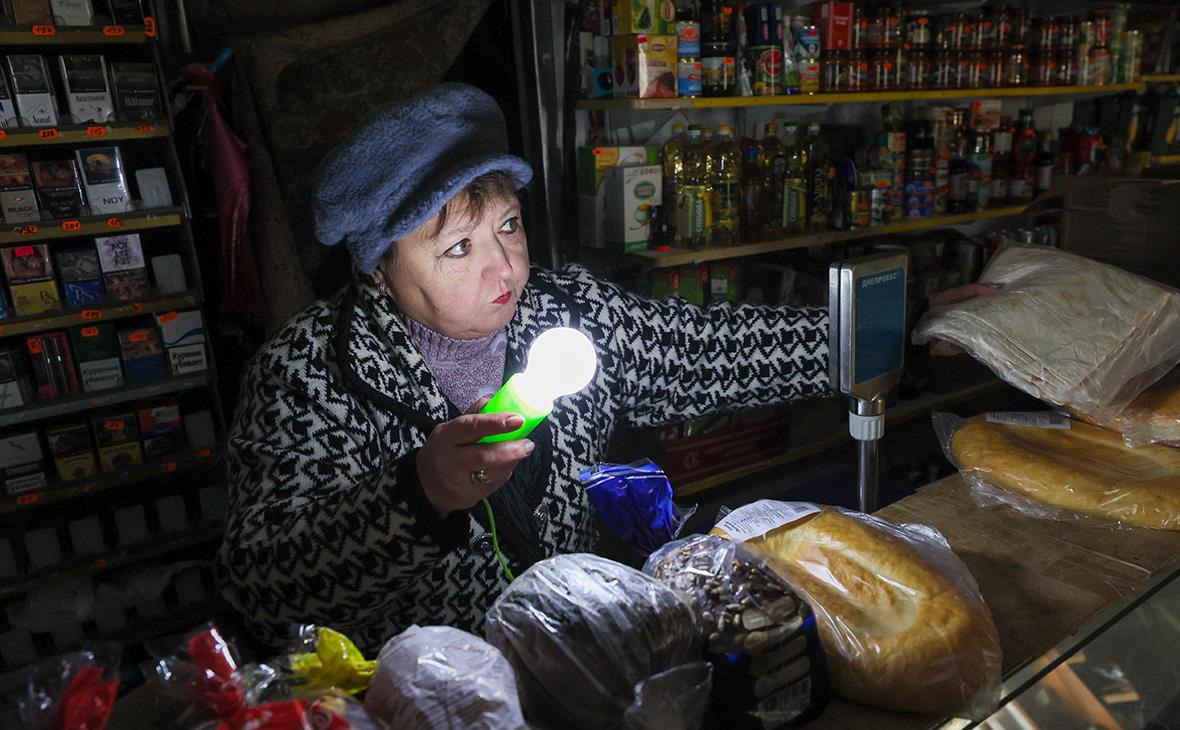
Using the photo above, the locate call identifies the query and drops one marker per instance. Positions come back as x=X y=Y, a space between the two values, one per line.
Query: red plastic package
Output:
x=71 y=692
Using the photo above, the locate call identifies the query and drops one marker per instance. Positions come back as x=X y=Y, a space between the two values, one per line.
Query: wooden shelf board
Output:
x=65 y=406
x=1166 y=159
x=81 y=133
x=40 y=35
x=94 y=225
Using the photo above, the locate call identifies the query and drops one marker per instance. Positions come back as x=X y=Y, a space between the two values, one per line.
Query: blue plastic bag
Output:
x=635 y=502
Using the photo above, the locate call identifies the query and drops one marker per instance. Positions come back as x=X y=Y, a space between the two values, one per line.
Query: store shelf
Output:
x=684 y=257
x=1161 y=77
x=900 y=413
x=104 y=313
x=79 y=134
x=1166 y=160
x=95 y=225
x=851 y=98
x=41 y=35
x=117 y=559
x=61 y=492
x=174 y=622
x=112 y=397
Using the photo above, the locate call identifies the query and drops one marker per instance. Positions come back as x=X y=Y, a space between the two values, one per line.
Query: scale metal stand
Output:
x=867 y=330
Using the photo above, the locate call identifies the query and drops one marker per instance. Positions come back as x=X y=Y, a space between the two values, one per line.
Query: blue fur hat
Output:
x=403 y=163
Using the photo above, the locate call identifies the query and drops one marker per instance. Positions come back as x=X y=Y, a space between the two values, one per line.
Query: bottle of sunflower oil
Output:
x=694 y=203
x=724 y=162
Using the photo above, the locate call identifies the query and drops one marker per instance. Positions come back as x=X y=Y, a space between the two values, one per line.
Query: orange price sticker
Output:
x=90 y=332
x=96 y=131
x=49 y=133
x=727 y=9
x=71 y=226
x=205 y=453
x=114 y=31
x=29 y=230
x=3 y=135
x=167 y=317
x=91 y=314
x=145 y=128
x=100 y=563
x=114 y=222
x=170 y=467
x=34 y=345
x=149 y=27
x=44 y=30
x=140 y=336
x=137 y=306
x=113 y=425
x=26 y=499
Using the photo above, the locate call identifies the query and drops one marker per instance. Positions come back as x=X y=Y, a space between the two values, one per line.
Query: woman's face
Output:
x=465 y=281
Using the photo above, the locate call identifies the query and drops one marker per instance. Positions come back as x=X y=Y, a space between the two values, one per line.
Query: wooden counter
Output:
x=1042 y=580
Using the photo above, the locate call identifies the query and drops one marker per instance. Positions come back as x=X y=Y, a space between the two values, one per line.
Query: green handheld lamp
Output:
x=561 y=361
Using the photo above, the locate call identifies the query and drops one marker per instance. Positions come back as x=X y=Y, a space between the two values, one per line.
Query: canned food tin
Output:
x=880 y=205
x=688 y=39
x=766 y=69
x=809 y=76
x=807 y=42
x=719 y=73
x=689 y=82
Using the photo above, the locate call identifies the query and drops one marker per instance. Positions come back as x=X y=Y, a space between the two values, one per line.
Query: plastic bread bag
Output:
x=1065 y=329
x=1152 y=418
x=1049 y=466
x=581 y=631
x=675 y=699
x=74 y=691
x=759 y=633
x=635 y=503
x=900 y=617
x=443 y=678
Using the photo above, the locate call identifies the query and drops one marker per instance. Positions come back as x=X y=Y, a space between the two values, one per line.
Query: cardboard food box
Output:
x=593 y=162
x=694 y=458
x=645 y=66
x=633 y=194
x=834 y=21
x=643 y=16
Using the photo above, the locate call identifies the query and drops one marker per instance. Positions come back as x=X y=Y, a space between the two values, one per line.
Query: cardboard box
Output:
x=834 y=21
x=96 y=350
x=725 y=284
x=643 y=16
x=694 y=284
x=593 y=161
x=1128 y=222
x=117 y=437
x=14 y=383
x=183 y=334
x=81 y=276
x=34 y=297
x=53 y=365
x=695 y=458
x=633 y=194
x=22 y=465
x=665 y=283
x=72 y=452
x=645 y=66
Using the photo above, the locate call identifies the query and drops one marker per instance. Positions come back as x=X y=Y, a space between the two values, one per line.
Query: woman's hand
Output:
x=955 y=296
x=452 y=460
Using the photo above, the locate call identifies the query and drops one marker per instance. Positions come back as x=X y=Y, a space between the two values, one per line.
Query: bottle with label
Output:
x=724 y=162
x=672 y=161
x=981 y=158
x=1020 y=162
x=959 y=193
x=1001 y=147
x=754 y=195
x=795 y=184
x=1043 y=164
x=774 y=165
x=817 y=179
x=694 y=200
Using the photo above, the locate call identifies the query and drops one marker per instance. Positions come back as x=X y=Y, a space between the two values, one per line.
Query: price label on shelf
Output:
x=170 y=467
x=3 y=135
x=138 y=336
x=91 y=314
x=114 y=222
x=204 y=453
x=167 y=317
x=44 y=30
x=149 y=27
x=96 y=131
x=29 y=230
x=34 y=344
x=90 y=332
x=49 y=133
x=113 y=425
x=137 y=306
x=26 y=499
x=71 y=226
x=100 y=563
x=114 y=31
x=145 y=128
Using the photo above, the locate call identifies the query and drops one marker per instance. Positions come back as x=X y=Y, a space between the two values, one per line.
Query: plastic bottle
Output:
x=794 y=211
x=1020 y=162
x=1001 y=149
x=672 y=160
x=774 y=167
x=981 y=157
x=1043 y=164
x=694 y=205
x=724 y=162
x=754 y=196
x=817 y=178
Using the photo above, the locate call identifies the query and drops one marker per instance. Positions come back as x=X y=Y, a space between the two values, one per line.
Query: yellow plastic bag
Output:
x=335 y=663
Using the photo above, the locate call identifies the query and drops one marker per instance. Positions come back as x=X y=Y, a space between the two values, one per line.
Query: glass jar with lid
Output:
x=882 y=71
x=1015 y=68
x=1043 y=70
x=918 y=69
x=918 y=30
x=858 y=71
x=943 y=70
x=993 y=72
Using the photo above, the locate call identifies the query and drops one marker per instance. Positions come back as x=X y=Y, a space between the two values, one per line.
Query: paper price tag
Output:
x=71 y=226
x=96 y=131
x=44 y=30
x=34 y=345
x=170 y=467
x=113 y=425
x=23 y=250
x=114 y=31
x=1036 y=419
x=90 y=332
x=167 y=317
x=138 y=336
x=114 y=222
x=27 y=499
x=204 y=453
x=29 y=230
x=149 y=27
x=50 y=133
x=91 y=314
x=145 y=128
x=3 y=135
x=758 y=518
x=137 y=306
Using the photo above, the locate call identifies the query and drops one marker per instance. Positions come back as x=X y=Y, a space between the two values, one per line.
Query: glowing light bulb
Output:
x=561 y=362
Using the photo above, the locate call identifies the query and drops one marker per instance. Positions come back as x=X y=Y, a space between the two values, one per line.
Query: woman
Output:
x=354 y=460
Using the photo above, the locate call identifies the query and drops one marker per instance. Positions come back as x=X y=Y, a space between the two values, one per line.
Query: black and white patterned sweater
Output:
x=327 y=521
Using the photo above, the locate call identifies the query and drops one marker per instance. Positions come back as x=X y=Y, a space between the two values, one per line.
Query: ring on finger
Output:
x=479 y=477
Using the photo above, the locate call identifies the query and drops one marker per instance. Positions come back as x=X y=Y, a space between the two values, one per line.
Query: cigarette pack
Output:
x=31 y=12
x=72 y=452
x=34 y=297
x=72 y=12
x=60 y=187
x=117 y=437
x=136 y=91
x=22 y=463
x=127 y=286
x=96 y=348
x=119 y=253
x=14 y=382
x=161 y=430
x=33 y=90
x=81 y=276
x=104 y=180
x=126 y=12
x=143 y=355
x=8 y=113
x=26 y=263
x=53 y=365
x=17 y=199
x=88 y=91
x=184 y=339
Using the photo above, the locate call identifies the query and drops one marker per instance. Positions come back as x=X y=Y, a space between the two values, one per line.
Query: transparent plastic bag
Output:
x=74 y=691
x=675 y=699
x=901 y=618
x=1078 y=473
x=1065 y=329
x=635 y=503
x=581 y=631
x=1152 y=418
x=443 y=678
x=748 y=613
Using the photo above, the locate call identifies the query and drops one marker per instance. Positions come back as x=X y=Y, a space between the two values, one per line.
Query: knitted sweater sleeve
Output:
x=672 y=360
x=323 y=526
